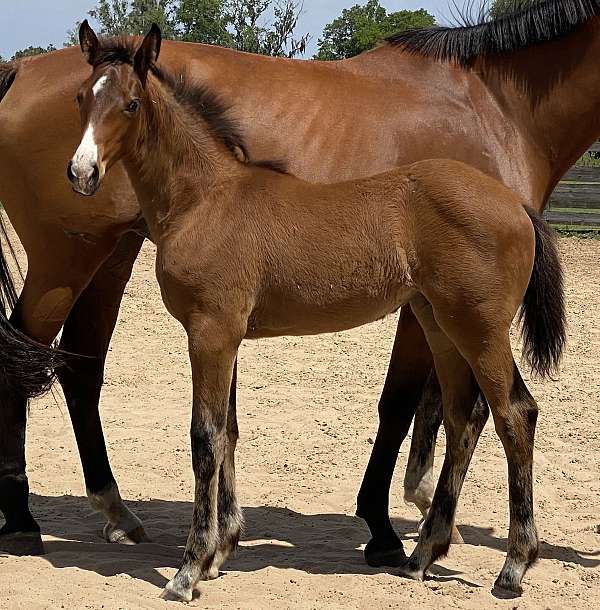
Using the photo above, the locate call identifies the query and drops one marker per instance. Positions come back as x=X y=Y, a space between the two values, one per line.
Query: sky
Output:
x=41 y=22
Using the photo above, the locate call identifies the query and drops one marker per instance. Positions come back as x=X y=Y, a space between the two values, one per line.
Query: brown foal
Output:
x=516 y=97
x=245 y=251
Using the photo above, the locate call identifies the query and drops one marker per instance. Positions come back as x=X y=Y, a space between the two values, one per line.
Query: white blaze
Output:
x=86 y=156
x=99 y=85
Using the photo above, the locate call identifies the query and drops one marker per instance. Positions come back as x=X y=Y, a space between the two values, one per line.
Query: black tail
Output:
x=542 y=313
x=8 y=71
x=26 y=367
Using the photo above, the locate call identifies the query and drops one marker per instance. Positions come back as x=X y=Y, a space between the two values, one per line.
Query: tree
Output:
x=360 y=28
x=501 y=7
x=203 y=21
x=257 y=26
x=253 y=33
x=30 y=51
x=133 y=17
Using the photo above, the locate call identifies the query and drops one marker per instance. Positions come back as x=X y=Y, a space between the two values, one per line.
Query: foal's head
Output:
x=109 y=103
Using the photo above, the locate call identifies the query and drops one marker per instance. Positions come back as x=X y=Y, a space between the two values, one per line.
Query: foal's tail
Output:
x=542 y=314
x=26 y=366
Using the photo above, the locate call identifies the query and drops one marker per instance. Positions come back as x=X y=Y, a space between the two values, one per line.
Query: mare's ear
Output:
x=88 y=41
x=147 y=55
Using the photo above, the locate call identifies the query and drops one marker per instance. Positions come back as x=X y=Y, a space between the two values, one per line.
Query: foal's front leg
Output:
x=212 y=355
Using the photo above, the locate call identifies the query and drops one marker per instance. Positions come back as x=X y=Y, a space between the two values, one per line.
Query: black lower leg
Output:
x=401 y=394
x=20 y=534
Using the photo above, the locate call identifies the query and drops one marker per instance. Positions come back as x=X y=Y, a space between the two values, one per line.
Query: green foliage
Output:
x=500 y=7
x=203 y=21
x=252 y=32
x=360 y=28
x=257 y=26
x=30 y=51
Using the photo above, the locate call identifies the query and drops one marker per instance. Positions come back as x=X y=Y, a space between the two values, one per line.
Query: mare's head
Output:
x=109 y=104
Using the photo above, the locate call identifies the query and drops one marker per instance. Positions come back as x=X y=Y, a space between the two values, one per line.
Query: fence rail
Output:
x=576 y=200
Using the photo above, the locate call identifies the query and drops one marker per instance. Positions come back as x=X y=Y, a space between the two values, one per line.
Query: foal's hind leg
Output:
x=230 y=515
x=515 y=417
x=463 y=422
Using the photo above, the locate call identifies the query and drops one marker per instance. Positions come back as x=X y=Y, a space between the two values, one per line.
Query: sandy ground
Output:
x=307 y=410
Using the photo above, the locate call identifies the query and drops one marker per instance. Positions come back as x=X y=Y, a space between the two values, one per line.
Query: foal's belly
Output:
x=278 y=316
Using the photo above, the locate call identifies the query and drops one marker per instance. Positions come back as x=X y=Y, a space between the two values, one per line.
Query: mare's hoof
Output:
x=377 y=556
x=174 y=593
x=505 y=588
x=117 y=535
x=456 y=537
x=22 y=544
x=407 y=571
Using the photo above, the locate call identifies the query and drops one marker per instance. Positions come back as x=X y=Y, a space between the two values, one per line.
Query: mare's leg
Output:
x=464 y=420
x=88 y=331
x=418 y=479
x=409 y=367
x=213 y=345
x=51 y=288
x=419 y=485
x=230 y=515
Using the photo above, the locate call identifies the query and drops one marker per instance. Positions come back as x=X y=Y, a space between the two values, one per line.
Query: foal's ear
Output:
x=147 y=55
x=88 y=41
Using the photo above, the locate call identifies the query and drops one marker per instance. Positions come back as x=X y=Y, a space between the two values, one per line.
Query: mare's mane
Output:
x=194 y=97
x=516 y=24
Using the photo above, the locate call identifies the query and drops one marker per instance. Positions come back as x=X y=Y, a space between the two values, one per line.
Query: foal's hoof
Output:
x=503 y=589
x=22 y=544
x=115 y=534
x=175 y=593
x=378 y=556
x=408 y=571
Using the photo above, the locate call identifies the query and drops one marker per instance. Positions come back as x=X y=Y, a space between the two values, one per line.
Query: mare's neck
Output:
x=552 y=92
x=175 y=162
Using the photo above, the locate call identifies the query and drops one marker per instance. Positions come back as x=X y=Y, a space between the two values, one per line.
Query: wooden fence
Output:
x=576 y=200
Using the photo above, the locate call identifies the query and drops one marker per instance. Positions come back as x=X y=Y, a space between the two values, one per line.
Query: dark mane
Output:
x=115 y=50
x=521 y=23
x=196 y=98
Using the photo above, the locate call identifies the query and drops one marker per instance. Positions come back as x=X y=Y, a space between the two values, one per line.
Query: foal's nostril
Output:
x=70 y=174
x=95 y=174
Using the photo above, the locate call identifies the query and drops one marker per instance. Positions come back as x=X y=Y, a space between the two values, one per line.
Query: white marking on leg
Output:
x=121 y=521
x=99 y=85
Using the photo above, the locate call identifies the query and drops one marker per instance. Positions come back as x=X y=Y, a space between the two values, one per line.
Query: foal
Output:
x=244 y=251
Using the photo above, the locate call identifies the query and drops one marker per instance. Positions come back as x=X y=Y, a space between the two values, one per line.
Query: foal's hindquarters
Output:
x=285 y=257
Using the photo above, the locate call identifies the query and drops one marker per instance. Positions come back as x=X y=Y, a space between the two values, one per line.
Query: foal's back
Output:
x=323 y=258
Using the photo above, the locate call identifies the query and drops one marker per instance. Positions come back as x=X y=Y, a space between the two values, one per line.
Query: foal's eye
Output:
x=133 y=106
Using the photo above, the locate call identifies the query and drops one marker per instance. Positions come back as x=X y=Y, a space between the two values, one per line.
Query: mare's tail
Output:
x=542 y=313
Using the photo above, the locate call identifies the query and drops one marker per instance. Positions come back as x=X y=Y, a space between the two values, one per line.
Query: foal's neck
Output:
x=176 y=161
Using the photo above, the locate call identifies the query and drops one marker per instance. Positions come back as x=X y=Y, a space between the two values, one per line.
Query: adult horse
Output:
x=517 y=98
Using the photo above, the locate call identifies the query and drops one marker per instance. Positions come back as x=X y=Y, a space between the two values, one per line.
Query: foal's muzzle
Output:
x=85 y=182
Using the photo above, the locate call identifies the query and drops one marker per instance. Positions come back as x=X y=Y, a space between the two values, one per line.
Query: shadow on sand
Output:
x=273 y=536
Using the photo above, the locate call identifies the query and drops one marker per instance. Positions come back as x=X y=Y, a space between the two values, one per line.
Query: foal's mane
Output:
x=194 y=97
x=518 y=24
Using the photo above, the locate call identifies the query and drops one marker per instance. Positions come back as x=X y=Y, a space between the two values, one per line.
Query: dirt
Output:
x=307 y=411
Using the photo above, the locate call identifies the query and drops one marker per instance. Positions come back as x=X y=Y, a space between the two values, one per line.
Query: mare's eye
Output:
x=133 y=106
x=79 y=98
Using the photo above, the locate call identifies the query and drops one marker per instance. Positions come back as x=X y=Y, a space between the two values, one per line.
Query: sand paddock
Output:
x=307 y=411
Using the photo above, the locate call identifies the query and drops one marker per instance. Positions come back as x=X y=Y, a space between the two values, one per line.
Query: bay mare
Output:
x=517 y=99
x=246 y=251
